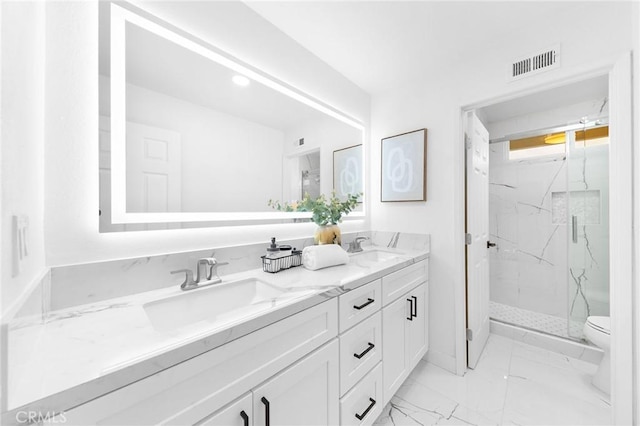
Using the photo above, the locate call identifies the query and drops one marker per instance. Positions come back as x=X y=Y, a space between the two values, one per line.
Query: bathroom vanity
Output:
x=331 y=348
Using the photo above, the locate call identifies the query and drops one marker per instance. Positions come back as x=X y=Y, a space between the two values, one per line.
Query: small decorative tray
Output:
x=281 y=263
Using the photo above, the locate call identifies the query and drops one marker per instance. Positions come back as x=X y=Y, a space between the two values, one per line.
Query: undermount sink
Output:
x=375 y=255
x=220 y=302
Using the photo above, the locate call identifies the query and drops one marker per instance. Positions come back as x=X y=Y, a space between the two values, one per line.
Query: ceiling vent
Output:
x=545 y=60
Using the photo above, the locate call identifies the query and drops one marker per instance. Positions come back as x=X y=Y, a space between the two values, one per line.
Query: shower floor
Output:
x=544 y=323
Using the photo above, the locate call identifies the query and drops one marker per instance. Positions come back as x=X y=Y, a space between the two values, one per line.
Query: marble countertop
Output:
x=80 y=353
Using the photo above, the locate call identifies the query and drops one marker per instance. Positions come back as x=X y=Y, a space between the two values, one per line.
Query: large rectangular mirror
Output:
x=191 y=136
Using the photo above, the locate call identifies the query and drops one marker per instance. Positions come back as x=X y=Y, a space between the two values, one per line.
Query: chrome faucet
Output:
x=206 y=274
x=355 y=245
x=202 y=272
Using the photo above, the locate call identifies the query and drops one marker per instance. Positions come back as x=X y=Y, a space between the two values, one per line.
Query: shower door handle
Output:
x=574 y=229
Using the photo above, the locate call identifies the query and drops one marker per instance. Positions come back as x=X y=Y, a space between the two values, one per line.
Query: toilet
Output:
x=598 y=331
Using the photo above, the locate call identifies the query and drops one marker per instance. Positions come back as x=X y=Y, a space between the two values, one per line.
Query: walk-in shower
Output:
x=548 y=209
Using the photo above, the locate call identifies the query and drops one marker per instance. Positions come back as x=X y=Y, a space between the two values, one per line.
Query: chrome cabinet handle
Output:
x=574 y=229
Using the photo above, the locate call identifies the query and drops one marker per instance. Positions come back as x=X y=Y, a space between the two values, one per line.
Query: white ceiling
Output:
x=380 y=44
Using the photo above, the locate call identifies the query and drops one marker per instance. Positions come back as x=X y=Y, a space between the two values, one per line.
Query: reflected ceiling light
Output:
x=554 y=139
x=240 y=80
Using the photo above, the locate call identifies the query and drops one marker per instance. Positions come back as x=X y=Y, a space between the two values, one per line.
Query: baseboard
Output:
x=566 y=347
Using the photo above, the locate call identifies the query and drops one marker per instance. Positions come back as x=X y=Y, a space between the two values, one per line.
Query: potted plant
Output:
x=326 y=213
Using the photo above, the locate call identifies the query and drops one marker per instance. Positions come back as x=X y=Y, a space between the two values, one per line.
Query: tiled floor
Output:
x=513 y=384
x=536 y=321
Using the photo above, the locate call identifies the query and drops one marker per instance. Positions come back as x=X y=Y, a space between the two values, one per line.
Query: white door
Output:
x=306 y=393
x=477 y=224
x=153 y=169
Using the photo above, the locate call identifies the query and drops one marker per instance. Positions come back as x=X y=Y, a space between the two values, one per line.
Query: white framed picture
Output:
x=404 y=167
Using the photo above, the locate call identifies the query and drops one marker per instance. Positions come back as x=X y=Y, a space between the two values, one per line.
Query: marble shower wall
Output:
x=530 y=265
x=589 y=256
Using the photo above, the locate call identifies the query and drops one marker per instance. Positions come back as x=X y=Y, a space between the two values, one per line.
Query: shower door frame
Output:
x=621 y=273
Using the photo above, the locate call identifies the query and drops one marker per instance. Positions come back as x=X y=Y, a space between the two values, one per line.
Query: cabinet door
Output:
x=237 y=413
x=306 y=393
x=395 y=366
x=417 y=339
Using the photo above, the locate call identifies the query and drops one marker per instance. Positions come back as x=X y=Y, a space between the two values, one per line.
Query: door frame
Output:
x=619 y=71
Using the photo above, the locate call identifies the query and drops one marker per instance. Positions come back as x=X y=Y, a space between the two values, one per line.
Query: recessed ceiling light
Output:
x=240 y=80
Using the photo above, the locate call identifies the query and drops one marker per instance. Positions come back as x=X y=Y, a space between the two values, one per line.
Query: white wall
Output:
x=22 y=168
x=71 y=199
x=595 y=36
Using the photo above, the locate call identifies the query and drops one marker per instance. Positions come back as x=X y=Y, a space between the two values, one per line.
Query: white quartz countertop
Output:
x=81 y=353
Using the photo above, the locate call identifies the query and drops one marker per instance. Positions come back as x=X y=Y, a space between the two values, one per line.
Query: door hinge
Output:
x=469 y=334
x=467 y=141
x=467 y=239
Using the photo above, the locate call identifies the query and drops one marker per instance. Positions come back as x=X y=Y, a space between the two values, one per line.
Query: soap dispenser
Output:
x=273 y=251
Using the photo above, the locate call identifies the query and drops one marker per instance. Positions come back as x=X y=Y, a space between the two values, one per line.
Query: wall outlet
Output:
x=20 y=246
x=300 y=141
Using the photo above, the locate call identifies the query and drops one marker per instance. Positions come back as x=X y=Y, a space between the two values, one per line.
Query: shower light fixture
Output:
x=554 y=138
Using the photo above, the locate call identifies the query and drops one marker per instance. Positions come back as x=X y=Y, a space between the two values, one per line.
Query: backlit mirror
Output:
x=190 y=135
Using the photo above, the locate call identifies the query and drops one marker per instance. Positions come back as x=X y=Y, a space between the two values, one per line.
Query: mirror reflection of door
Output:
x=153 y=169
x=310 y=174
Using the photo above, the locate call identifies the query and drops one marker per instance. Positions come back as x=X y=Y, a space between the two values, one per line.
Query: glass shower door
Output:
x=588 y=227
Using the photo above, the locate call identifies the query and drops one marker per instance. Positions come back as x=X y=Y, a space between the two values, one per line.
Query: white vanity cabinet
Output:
x=361 y=354
x=237 y=413
x=404 y=324
x=338 y=362
x=195 y=389
x=304 y=394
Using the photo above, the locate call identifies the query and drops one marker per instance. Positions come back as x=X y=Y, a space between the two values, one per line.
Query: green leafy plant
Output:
x=325 y=211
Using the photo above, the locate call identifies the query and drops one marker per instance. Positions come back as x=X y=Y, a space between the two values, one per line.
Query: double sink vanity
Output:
x=297 y=347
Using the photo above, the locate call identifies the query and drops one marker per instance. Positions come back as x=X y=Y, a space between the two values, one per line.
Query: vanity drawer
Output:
x=360 y=350
x=358 y=304
x=363 y=404
x=398 y=283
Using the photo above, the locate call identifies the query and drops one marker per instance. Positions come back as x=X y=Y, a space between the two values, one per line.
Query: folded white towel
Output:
x=323 y=256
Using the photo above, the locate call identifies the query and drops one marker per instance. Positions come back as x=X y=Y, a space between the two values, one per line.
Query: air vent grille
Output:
x=534 y=64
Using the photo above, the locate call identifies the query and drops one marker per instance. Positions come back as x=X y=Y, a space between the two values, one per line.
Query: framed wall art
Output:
x=404 y=167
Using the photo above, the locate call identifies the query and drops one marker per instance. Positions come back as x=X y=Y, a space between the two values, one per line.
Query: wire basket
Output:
x=281 y=263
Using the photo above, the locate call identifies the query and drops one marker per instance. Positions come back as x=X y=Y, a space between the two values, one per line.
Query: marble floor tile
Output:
x=513 y=383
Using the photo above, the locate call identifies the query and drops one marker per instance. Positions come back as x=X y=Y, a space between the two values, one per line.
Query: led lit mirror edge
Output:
x=121 y=13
